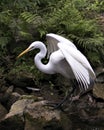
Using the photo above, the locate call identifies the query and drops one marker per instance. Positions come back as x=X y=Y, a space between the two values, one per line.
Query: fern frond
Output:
x=31 y=18
x=87 y=42
x=5 y=16
x=25 y=35
x=3 y=42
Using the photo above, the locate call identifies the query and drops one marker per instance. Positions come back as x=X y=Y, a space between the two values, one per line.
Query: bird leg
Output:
x=75 y=98
x=90 y=98
x=65 y=98
x=70 y=97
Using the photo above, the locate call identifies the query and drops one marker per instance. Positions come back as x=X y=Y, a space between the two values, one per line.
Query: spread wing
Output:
x=79 y=64
x=53 y=40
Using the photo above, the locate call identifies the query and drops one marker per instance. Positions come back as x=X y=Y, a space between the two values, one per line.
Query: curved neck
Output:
x=37 y=59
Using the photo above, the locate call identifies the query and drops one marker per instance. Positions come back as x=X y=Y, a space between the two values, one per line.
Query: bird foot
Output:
x=55 y=105
x=90 y=99
x=75 y=98
x=60 y=104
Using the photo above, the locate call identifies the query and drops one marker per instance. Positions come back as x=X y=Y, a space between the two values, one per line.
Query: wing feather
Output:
x=53 y=40
x=78 y=56
x=79 y=69
x=78 y=62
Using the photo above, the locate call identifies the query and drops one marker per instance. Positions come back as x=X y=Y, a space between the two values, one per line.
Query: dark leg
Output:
x=82 y=93
x=69 y=93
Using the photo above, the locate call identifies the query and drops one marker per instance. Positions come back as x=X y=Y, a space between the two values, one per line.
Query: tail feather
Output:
x=92 y=82
x=90 y=86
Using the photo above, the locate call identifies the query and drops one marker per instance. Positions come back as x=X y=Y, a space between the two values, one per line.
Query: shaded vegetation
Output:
x=27 y=21
x=21 y=22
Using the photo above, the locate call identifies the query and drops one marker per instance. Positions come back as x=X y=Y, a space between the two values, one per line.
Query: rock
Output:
x=31 y=113
x=6 y=95
x=12 y=99
x=100 y=75
x=20 y=79
x=40 y=117
x=2 y=77
x=18 y=108
x=98 y=90
x=19 y=91
x=14 y=120
x=3 y=112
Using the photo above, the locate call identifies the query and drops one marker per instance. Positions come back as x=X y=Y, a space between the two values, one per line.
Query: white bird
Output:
x=64 y=58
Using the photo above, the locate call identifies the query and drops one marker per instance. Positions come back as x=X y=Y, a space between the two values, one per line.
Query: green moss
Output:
x=34 y=98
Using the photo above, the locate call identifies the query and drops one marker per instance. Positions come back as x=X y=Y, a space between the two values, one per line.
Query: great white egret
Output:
x=64 y=58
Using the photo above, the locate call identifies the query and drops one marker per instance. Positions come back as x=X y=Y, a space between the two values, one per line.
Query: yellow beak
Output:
x=24 y=52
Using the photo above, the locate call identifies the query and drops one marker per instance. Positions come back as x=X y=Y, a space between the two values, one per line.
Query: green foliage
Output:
x=74 y=19
x=28 y=69
x=70 y=20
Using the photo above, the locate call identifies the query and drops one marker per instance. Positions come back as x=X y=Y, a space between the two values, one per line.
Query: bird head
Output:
x=30 y=48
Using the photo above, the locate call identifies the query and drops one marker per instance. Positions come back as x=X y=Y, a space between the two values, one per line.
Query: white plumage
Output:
x=64 y=58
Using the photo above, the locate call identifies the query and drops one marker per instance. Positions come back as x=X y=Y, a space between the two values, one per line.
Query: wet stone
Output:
x=98 y=90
